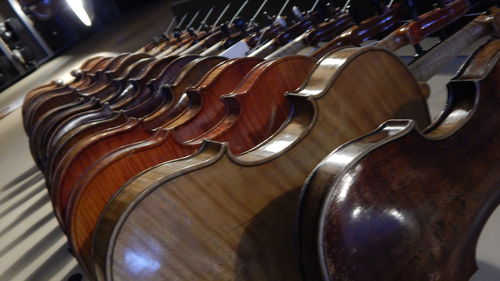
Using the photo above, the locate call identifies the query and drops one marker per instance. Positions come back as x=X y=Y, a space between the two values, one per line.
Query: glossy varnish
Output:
x=216 y=216
x=109 y=173
x=410 y=200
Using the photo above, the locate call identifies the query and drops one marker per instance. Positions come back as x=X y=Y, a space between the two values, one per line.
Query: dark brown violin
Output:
x=86 y=133
x=283 y=38
x=411 y=33
x=401 y=198
x=324 y=32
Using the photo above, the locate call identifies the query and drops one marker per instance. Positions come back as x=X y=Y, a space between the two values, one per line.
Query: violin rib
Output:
x=403 y=197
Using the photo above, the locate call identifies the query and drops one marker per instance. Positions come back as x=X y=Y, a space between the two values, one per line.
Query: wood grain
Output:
x=215 y=85
x=89 y=149
x=129 y=95
x=117 y=167
x=81 y=139
x=402 y=197
x=89 y=66
x=190 y=76
x=231 y=217
x=49 y=101
x=47 y=123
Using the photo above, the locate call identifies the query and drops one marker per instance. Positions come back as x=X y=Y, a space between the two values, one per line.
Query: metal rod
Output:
x=192 y=20
x=390 y=4
x=206 y=17
x=182 y=20
x=258 y=11
x=314 y=6
x=276 y=20
x=222 y=14
x=283 y=9
x=171 y=25
x=238 y=13
x=4 y=48
x=346 y=5
x=29 y=25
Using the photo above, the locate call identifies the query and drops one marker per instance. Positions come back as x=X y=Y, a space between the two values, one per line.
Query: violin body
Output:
x=191 y=75
x=134 y=93
x=72 y=164
x=126 y=162
x=90 y=65
x=416 y=30
x=75 y=141
x=103 y=79
x=235 y=214
x=54 y=117
x=83 y=80
x=415 y=201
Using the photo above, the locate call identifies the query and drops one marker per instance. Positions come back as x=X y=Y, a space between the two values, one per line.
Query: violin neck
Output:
x=433 y=61
x=290 y=48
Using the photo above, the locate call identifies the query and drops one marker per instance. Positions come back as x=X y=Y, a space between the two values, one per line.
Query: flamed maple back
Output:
x=218 y=216
x=113 y=170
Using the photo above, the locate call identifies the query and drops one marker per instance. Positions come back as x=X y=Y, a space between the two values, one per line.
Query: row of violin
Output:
x=189 y=166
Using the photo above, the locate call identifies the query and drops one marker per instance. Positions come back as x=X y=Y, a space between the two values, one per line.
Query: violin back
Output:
x=413 y=201
x=217 y=83
x=238 y=211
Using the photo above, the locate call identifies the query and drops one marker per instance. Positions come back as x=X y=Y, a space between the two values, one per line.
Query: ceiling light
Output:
x=79 y=10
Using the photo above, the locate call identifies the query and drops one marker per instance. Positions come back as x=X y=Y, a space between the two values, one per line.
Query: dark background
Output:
x=362 y=8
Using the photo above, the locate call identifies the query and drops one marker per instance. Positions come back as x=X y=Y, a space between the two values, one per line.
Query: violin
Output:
x=325 y=31
x=443 y=16
x=355 y=209
x=134 y=158
x=82 y=137
x=417 y=29
x=243 y=205
x=191 y=73
x=102 y=79
x=134 y=93
x=71 y=104
x=162 y=147
x=81 y=79
x=207 y=38
x=80 y=76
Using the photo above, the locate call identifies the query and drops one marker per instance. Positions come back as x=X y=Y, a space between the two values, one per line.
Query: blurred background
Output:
x=35 y=31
